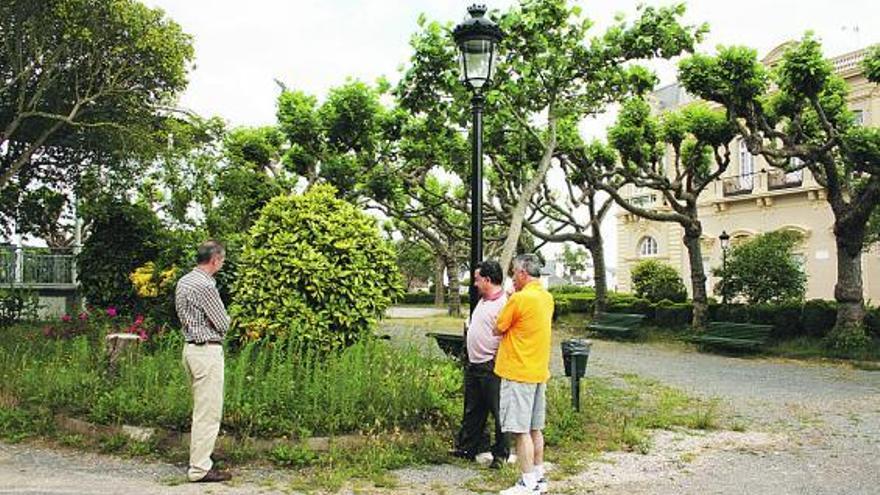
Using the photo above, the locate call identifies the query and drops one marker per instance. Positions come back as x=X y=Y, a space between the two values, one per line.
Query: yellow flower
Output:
x=142 y=279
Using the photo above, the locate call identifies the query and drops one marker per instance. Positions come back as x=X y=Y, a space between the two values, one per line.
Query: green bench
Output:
x=617 y=324
x=734 y=335
x=453 y=345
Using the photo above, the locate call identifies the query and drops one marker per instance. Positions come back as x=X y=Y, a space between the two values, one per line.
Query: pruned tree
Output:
x=697 y=138
x=550 y=75
x=799 y=111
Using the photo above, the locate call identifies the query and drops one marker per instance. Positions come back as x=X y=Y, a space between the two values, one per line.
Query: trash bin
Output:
x=579 y=350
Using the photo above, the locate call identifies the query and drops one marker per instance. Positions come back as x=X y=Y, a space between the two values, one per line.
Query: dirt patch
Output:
x=671 y=453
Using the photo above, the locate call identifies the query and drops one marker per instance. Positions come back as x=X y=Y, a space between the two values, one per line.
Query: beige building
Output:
x=752 y=198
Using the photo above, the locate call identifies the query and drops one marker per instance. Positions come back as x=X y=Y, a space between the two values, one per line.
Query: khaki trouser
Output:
x=204 y=365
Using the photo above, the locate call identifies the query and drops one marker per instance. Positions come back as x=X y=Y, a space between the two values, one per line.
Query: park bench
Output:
x=734 y=335
x=453 y=345
x=617 y=324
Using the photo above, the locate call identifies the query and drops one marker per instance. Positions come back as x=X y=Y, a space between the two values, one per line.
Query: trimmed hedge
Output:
x=818 y=316
x=814 y=318
x=426 y=298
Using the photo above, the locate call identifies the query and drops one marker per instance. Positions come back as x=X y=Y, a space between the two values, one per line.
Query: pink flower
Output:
x=111 y=312
x=139 y=319
x=83 y=316
x=66 y=318
x=142 y=335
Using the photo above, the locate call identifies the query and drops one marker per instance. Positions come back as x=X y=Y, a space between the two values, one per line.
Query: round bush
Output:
x=656 y=281
x=316 y=269
x=123 y=237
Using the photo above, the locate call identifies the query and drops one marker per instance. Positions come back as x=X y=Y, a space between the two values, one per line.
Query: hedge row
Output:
x=812 y=318
x=425 y=298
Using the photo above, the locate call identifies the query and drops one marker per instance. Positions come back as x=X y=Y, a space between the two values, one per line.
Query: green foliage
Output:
x=764 y=269
x=123 y=236
x=805 y=70
x=182 y=182
x=668 y=314
x=656 y=281
x=574 y=260
x=848 y=342
x=340 y=140
x=734 y=77
x=415 y=261
x=296 y=456
x=871 y=64
x=17 y=305
x=71 y=102
x=872 y=322
x=818 y=317
x=314 y=268
x=571 y=289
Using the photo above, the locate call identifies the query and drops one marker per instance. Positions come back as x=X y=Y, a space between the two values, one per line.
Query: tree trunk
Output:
x=529 y=190
x=454 y=284
x=597 y=252
x=439 y=286
x=848 y=333
x=698 y=277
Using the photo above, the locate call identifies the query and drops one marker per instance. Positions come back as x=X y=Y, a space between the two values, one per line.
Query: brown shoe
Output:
x=215 y=476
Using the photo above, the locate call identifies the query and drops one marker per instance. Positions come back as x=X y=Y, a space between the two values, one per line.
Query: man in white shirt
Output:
x=481 y=385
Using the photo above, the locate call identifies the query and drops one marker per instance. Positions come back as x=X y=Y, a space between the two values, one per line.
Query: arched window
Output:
x=648 y=246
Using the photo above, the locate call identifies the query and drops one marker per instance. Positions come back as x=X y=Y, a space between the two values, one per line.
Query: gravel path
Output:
x=811 y=429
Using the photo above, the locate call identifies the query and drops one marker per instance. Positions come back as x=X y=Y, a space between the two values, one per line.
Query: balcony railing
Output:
x=738 y=185
x=777 y=179
x=643 y=200
x=23 y=266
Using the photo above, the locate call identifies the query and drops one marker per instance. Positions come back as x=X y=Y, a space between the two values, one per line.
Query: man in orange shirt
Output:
x=523 y=363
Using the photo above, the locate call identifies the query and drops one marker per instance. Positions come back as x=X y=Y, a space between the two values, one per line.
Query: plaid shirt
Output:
x=201 y=312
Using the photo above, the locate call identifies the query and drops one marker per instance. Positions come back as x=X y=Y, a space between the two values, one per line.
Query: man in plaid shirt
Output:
x=204 y=323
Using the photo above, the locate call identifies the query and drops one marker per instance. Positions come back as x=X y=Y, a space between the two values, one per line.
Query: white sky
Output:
x=312 y=45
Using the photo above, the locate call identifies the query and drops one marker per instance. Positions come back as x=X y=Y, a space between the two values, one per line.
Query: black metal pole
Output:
x=476 y=194
x=724 y=280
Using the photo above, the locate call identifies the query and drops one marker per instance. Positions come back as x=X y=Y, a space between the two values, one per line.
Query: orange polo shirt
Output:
x=524 y=353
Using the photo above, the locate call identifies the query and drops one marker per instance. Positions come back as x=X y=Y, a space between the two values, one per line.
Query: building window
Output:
x=746 y=166
x=859 y=117
x=648 y=246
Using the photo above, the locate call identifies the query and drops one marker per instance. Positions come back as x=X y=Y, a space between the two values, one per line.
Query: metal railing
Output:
x=643 y=200
x=777 y=179
x=35 y=267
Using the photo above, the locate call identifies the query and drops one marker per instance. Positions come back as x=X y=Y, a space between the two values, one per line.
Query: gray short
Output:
x=522 y=406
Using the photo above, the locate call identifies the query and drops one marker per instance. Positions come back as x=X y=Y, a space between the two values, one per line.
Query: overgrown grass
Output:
x=273 y=390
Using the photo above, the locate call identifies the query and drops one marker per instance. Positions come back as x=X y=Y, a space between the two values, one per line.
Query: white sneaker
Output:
x=483 y=458
x=543 y=487
x=520 y=488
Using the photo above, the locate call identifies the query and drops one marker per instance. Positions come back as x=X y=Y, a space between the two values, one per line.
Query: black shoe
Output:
x=215 y=476
x=497 y=463
x=462 y=454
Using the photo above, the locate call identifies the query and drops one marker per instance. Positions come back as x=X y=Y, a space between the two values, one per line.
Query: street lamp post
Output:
x=477 y=39
x=725 y=245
